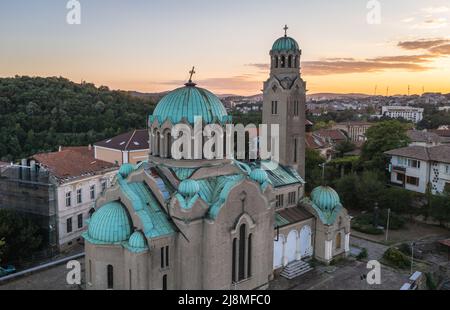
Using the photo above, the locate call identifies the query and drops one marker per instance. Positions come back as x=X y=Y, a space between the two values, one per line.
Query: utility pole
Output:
x=387 y=225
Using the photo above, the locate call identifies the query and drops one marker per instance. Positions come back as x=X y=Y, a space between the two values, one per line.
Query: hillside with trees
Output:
x=39 y=114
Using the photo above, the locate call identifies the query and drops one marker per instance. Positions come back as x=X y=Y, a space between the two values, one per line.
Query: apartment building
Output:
x=416 y=167
x=408 y=113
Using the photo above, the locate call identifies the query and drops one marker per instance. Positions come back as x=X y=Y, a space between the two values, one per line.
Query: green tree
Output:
x=344 y=147
x=382 y=137
x=397 y=199
x=313 y=173
x=21 y=236
x=440 y=208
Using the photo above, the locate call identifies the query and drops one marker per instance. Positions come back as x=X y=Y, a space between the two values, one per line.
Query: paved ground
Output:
x=50 y=279
x=374 y=250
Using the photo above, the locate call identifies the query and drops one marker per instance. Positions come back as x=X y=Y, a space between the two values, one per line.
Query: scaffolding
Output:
x=29 y=190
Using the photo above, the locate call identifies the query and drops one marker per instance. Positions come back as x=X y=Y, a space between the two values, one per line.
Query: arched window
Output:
x=249 y=256
x=338 y=241
x=233 y=264
x=110 y=276
x=129 y=279
x=242 y=239
x=276 y=61
x=164 y=282
x=158 y=143
x=168 y=138
x=297 y=65
x=90 y=271
x=91 y=212
x=283 y=61
x=290 y=61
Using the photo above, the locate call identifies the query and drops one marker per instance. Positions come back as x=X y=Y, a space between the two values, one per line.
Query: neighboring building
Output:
x=415 y=167
x=445 y=109
x=332 y=136
x=216 y=224
x=77 y=179
x=424 y=138
x=408 y=113
x=319 y=144
x=131 y=147
x=356 y=131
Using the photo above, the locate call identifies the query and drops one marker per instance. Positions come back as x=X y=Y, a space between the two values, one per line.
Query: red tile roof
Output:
x=334 y=134
x=72 y=163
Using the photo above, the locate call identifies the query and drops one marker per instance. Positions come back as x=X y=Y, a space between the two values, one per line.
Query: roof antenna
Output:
x=285 y=30
x=192 y=72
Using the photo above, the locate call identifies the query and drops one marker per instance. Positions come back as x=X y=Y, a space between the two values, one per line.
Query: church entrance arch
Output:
x=306 y=242
x=290 y=247
x=278 y=252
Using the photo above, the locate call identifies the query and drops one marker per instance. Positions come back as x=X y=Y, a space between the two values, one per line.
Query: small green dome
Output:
x=188 y=102
x=259 y=175
x=189 y=188
x=125 y=170
x=285 y=44
x=110 y=224
x=137 y=241
x=325 y=198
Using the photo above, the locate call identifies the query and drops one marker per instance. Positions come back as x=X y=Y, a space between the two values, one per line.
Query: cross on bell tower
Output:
x=285 y=30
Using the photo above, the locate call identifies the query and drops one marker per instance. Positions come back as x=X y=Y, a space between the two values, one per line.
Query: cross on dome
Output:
x=285 y=30
x=192 y=72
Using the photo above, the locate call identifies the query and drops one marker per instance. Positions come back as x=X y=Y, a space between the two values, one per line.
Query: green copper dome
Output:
x=259 y=176
x=110 y=224
x=137 y=241
x=188 y=102
x=285 y=44
x=325 y=198
x=189 y=188
x=125 y=170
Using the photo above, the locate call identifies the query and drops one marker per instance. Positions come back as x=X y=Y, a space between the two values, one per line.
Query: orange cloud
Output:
x=422 y=44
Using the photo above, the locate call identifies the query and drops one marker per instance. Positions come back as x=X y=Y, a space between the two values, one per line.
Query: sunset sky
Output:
x=150 y=45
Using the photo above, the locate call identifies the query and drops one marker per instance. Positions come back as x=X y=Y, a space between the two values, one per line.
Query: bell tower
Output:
x=285 y=101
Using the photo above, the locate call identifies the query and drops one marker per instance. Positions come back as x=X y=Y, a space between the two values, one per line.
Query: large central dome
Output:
x=188 y=102
x=285 y=44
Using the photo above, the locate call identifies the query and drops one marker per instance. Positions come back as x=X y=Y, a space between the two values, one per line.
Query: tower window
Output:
x=295 y=150
x=110 y=276
x=274 y=107
x=249 y=256
x=233 y=259
x=296 y=108
x=165 y=257
x=283 y=61
x=164 y=284
x=290 y=61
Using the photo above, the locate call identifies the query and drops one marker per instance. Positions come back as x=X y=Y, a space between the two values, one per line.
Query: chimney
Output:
x=60 y=149
x=90 y=147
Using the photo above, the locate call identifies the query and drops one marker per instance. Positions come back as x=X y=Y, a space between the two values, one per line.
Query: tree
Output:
x=440 y=208
x=2 y=244
x=397 y=199
x=345 y=147
x=313 y=173
x=20 y=235
x=382 y=137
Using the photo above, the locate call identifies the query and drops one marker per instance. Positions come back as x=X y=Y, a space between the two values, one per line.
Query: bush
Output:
x=405 y=248
x=363 y=254
x=395 y=257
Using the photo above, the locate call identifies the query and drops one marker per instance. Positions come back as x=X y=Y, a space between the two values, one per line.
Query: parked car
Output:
x=7 y=270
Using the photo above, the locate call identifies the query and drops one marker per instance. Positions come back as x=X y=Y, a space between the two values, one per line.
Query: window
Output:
x=164 y=286
x=129 y=279
x=274 y=107
x=80 y=220
x=103 y=186
x=90 y=271
x=283 y=61
x=400 y=177
x=249 y=256
x=447 y=169
x=295 y=150
x=413 y=163
x=296 y=108
x=233 y=264
x=69 y=225
x=110 y=276
x=412 y=181
x=68 y=199
x=338 y=241
x=79 y=198
x=291 y=197
x=280 y=201
x=242 y=239
x=92 y=191
x=165 y=257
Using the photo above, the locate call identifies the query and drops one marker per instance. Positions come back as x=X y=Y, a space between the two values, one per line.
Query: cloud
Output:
x=259 y=66
x=436 y=10
x=432 y=23
x=405 y=58
x=422 y=44
x=441 y=49
x=327 y=67
x=408 y=20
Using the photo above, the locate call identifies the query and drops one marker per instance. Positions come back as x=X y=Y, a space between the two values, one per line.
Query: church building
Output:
x=202 y=224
